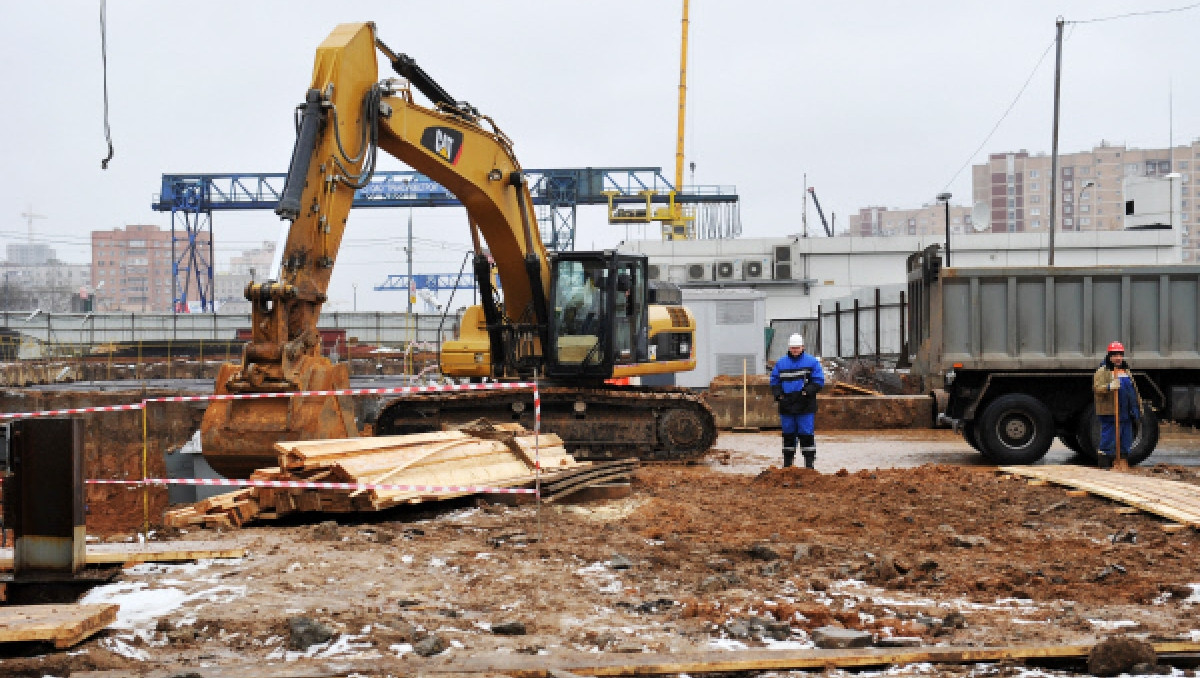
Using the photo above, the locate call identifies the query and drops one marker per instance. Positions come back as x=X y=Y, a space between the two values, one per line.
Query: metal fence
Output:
x=868 y=324
x=73 y=333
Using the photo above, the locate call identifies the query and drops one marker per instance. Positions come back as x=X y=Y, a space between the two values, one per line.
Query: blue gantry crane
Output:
x=192 y=198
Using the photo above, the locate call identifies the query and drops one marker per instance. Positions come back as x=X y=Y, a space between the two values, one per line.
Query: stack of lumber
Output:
x=481 y=455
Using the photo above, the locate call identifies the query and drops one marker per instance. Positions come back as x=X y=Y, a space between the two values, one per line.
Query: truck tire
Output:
x=1145 y=436
x=1071 y=442
x=970 y=433
x=1016 y=429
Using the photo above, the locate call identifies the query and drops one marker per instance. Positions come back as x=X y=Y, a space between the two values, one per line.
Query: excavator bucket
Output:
x=239 y=435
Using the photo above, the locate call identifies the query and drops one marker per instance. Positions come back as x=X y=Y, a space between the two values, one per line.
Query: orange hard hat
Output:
x=1116 y=347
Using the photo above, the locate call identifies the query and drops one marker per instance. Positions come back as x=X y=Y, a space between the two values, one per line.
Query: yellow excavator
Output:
x=576 y=321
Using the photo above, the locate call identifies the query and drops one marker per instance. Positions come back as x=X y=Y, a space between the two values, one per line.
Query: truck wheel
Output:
x=1145 y=435
x=1016 y=429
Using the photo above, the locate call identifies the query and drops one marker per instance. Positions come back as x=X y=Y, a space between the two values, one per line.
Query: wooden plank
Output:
x=154 y=552
x=1171 y=499
x=64 y=625
x=767 y=660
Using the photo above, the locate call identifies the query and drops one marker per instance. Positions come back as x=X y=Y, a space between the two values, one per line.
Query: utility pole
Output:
x=804 y=209
x=409 y=251
x=1054 y=141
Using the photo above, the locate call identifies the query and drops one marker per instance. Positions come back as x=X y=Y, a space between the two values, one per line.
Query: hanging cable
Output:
x=104 y=68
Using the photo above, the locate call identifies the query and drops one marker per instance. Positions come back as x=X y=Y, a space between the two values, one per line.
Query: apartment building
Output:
x=1015 y=187
x=131 y=268
x=928 y=219
x=250 y=265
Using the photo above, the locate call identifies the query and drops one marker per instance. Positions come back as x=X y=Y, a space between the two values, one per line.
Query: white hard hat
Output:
x=796 y=340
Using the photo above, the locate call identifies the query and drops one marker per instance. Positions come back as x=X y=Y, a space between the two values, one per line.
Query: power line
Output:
x=1002 y=117
x=1127 y=15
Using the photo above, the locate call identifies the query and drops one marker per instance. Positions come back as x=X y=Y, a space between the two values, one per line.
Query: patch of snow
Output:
x=139 y=604
x=1195 y=597
x=401 y=649
x=788 y=644
x=406 y=559
x=118 y=646
x=1111 y=625
x=347 y=644
x=483 y=556
x=614 y=586
x=436 y=562
x=726 y=644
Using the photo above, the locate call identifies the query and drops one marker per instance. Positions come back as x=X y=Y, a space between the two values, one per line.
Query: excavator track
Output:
x=610 y=422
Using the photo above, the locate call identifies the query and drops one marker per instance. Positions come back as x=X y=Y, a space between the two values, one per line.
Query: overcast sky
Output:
x=880 y=103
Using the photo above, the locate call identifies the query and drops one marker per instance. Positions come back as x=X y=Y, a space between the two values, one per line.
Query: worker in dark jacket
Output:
x=1114 y=375
x=795 y=381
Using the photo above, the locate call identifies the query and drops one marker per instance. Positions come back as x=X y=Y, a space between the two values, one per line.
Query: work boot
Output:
x=789 y=456
x=1104 y=460
x=808 y=447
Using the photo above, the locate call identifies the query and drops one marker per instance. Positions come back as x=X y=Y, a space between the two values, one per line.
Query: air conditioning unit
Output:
x=783 y=271
x=756 y=269
x=728 y=270
x=700 y=272
x=783 y=254
x=654 y=272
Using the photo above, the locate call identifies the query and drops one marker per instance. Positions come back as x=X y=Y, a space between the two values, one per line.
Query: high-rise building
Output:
x=131 y=269
x=250 y=265
x=1015 y=188
x=925 y=220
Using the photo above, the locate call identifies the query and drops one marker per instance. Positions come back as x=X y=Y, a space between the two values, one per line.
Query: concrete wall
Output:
x=834 y=413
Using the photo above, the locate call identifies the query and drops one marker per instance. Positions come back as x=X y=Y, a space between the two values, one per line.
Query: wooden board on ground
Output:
x=1177 y=501
x=154 y=552
x=63 y=625
x=562 y=665
x=765 y=660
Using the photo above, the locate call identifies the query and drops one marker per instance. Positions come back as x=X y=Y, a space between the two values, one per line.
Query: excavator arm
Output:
x=346 y=117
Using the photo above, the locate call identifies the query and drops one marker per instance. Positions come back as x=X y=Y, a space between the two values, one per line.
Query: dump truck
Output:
x=1011 y=351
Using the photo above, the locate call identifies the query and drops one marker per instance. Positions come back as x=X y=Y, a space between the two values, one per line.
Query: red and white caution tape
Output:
x=348 y=391
x=73 y=410
x=304 y=484
x=285 y=394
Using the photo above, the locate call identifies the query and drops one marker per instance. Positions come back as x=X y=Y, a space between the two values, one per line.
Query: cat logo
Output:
x=443 y=141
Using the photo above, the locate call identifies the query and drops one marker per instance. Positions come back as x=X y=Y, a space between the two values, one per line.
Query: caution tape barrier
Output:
x=294 y=394
x=317 y=485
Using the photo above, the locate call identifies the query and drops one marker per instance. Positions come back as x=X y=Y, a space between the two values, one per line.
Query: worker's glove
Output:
x=1114 y=385
x=777 y=391
x=810 y=389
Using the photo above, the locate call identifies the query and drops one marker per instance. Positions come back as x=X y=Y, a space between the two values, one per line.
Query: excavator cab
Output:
x=599 y=317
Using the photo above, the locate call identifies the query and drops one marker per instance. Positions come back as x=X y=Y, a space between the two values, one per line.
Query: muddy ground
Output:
x=731 y=553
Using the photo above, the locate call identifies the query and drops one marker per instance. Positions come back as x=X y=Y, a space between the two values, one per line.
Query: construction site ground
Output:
x=902 y=534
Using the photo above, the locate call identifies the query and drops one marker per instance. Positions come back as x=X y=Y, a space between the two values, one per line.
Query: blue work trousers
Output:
x=1108 y=433
x=797 y=424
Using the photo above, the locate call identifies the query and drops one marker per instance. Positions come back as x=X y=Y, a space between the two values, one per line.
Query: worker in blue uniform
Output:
x=795 y=381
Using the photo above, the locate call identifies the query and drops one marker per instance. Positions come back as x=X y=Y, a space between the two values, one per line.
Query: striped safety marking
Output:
x=304 y=484
x=253 y=396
